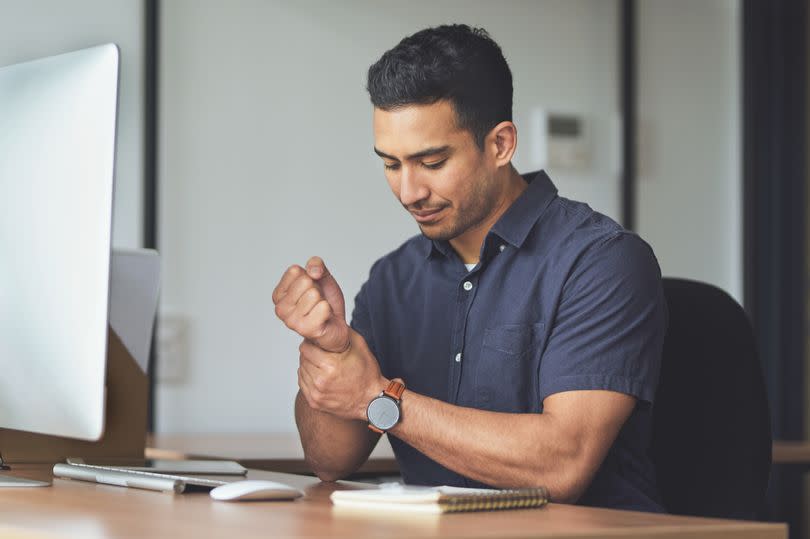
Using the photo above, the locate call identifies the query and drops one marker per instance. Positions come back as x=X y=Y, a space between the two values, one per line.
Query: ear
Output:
x=502 y=141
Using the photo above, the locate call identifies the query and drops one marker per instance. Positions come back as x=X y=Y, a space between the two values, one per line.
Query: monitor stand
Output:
x=124 y=429
x=7 y=480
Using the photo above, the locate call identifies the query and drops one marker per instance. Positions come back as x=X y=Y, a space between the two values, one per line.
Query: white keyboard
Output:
x=187 y=479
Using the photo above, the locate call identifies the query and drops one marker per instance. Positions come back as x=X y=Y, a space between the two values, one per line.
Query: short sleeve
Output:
x=361 y=317
x=610 y=324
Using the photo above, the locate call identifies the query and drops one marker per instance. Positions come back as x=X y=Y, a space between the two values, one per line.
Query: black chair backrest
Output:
x=711 y=429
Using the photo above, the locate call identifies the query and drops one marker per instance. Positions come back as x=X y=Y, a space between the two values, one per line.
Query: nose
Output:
x=411 y=190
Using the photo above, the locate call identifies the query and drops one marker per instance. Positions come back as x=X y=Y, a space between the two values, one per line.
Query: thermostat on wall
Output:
x=559 y=141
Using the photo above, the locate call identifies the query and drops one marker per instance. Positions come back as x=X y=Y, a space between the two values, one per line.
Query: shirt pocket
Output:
x=504 y=379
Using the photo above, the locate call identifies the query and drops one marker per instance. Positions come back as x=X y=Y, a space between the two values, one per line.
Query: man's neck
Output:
x=468 y=245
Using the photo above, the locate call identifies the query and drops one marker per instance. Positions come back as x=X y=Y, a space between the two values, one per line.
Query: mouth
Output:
x=426 y=216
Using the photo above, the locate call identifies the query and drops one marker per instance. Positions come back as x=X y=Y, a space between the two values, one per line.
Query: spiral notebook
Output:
x=397 y=497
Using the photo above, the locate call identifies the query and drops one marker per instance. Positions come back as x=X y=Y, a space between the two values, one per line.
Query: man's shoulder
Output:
x=599 y=251
x=579 y=219
x=579 y=230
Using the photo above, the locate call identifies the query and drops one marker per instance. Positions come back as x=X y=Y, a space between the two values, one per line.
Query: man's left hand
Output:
x=341 y=384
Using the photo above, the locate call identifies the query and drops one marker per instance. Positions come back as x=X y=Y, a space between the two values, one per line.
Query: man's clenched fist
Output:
x=310 y=302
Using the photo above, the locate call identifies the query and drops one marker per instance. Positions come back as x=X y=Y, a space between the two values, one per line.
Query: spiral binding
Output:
x=523 y=498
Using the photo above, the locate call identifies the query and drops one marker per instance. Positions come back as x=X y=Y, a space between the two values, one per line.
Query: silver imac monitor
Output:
x=57 y=148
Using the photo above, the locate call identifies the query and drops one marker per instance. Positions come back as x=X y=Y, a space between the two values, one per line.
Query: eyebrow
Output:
x=418 y=155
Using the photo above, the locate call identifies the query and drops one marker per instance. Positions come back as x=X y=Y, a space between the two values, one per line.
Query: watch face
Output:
x=383 y=413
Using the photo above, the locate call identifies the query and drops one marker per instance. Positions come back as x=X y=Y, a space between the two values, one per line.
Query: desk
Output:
x=88 y=510
x=791 y=452
x=276 y=452
x=283 y=452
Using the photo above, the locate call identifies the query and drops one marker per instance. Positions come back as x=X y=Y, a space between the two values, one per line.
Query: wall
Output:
x=690 y=179
x=266 y=159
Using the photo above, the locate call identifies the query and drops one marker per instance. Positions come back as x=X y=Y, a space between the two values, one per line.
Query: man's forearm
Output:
x=499 y=449
x=561 y=449
x=333 y=447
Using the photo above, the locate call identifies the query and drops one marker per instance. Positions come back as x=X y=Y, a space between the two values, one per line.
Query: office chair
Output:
x=711 y=425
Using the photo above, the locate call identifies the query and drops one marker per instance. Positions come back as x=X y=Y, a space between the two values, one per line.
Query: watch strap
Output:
x=394 y=390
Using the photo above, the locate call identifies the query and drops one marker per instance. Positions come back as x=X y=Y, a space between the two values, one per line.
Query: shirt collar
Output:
x=516 y=223
x=435 y=246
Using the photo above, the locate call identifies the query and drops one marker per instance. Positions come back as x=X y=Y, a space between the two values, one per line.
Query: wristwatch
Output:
x=383 y=411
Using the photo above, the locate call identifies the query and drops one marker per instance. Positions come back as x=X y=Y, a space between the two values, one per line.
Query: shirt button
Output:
x=501 y=247
x=467 y=286
x=458 y=357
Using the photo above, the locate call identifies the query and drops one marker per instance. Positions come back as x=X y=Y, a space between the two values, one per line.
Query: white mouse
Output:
x=255 y=489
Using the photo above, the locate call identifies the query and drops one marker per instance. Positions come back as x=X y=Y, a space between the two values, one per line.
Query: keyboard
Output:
x=187 y=479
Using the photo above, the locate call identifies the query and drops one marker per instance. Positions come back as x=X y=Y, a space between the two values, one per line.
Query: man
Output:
x=525 y=327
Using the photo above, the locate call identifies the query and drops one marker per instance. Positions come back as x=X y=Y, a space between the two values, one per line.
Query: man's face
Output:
x=435 y=168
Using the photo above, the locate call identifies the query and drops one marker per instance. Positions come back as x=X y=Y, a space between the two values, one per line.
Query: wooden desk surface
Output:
x=276 y=452
x=283 y=452
x=89 y=510
x=790 y=452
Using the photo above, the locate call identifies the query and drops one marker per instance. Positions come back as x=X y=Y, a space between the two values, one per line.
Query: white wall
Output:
x=690 y=182
x=37 y=28
x=266 y=160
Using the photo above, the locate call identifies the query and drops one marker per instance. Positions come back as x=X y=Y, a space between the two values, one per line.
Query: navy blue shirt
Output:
x=562 y=299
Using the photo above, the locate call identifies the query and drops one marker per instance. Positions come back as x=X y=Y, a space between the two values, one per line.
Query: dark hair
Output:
x=454 y=62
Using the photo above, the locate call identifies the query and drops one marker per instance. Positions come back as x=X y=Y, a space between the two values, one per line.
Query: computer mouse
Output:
x=255 y=489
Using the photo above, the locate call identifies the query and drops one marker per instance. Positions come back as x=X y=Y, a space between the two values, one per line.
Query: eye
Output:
x=391 y=166
x=436 y=165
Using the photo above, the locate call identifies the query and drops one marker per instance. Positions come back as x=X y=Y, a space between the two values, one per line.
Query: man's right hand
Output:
x=309 y=301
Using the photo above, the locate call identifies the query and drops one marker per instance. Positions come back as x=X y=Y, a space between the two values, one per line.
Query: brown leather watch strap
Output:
x=395 y=389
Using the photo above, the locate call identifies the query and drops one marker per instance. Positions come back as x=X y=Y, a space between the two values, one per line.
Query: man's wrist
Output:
x=347 y=350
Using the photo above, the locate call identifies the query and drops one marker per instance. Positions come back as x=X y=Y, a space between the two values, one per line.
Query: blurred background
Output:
x=245 y=145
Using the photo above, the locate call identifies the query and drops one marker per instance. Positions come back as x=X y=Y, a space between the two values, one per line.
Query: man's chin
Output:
x=436 y=233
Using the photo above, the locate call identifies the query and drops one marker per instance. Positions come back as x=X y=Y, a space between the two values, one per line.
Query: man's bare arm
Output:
x=333 y=447
x=310 y=302
x=561 y=449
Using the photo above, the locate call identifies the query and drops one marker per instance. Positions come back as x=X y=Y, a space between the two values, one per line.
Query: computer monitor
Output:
x=57 y=148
